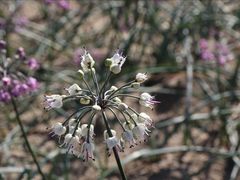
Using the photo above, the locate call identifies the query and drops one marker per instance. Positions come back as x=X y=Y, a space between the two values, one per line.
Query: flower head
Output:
x=95 y=99
x=14 y=78
x=33 y=64
x=214 y=51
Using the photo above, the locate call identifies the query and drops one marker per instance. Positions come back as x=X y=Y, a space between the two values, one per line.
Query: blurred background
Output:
x=190 y=51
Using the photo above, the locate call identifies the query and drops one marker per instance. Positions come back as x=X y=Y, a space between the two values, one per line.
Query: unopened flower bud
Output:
x=113 y=88
x=115 y=68
x=93 y=70
x=81 y=74
x=84 y=101
x=117 y=100
x=135 y=85
x=96 y=107
x=108 y=62
x=122 y=107
x=140 y=77
x=128 y=125
x=106 y=135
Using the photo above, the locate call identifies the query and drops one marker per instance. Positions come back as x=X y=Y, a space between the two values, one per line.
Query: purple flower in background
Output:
x=5 y=96
x=207 y=55
x=13 y=82
x=6 y=81
x=203 y=43
x=64 y=4
x=32 y=83
x=33 y=64
x=2 y=23
x=21 y=53
x=214 y=51
x=20 y=22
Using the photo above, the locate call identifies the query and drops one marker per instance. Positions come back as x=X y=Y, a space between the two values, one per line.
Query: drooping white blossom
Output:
x=127 y=136
x=53 y=101
x=74 y=89
x=147 y=100
x=146 y=119
x=140 y=77
x=116 y=63
x=140 y=132
x=87 y=151
x=87 y=62
x=113 y=142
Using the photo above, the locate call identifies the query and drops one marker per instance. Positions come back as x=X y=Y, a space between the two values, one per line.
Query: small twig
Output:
x=189 y=74
x=26 y=139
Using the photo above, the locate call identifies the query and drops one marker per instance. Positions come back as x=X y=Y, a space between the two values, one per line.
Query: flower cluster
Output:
x=76 y=133
x=214 y=51
x=14 y=81
x=64 y=4
x=14 y=24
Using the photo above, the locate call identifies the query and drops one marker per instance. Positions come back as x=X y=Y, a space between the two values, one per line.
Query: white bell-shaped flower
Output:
x=122 y=107
x=105 y=134
x=87 y=151
x=85 y=130
x=117 y=62
x=140 y=132
x=53 y=101
x=58 y=129
x=76 y=150
x=112 y=142
x=87 y=62
x=74 y=89
x=71 y=122
x=78 y=132
x=140 y=77
x=70 y=141
x=128 y=125
x=147 y=100
x=144 y=118
x=127 y=136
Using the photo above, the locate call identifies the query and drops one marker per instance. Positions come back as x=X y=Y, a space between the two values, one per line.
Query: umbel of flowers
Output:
x=15 y=80
x=77 y=135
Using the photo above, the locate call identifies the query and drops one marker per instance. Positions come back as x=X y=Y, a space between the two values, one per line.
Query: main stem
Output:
x=26 y=139
x=114 y=149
